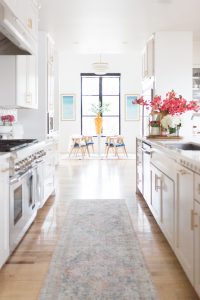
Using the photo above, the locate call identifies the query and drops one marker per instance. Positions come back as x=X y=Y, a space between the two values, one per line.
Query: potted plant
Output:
x=154 y=127
x=98 y=110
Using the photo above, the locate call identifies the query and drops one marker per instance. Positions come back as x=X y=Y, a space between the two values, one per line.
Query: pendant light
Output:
x=100 y=68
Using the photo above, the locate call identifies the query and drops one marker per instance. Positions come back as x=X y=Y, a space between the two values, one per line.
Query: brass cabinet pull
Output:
x=193 y=225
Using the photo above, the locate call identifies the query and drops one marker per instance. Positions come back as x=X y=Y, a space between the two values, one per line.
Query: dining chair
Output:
x=89 y=142
x=78 y=144
x=115 y=143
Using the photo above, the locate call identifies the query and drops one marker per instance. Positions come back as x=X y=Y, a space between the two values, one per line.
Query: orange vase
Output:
x=98 y=124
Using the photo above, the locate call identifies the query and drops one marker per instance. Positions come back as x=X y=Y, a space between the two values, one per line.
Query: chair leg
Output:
x=93 y=148
x=87 y=148
x=125 y=151
x=107 y=150
x=116 y=152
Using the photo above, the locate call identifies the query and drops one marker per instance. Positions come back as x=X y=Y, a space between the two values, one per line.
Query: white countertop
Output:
x=188 y=158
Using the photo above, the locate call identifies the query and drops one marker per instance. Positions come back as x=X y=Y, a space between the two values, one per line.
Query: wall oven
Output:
x=23 y=204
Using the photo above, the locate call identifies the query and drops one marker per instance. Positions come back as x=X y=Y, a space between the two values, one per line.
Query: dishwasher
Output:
x=146 y=149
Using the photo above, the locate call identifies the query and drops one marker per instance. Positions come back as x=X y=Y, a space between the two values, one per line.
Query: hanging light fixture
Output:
x=100 y=68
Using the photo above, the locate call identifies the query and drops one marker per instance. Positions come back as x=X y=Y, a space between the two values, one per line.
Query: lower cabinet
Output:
x=184 y=234
x=156 y=186
x=196 y=226
x=163 y=201
x=4 y=212
x=167 y=208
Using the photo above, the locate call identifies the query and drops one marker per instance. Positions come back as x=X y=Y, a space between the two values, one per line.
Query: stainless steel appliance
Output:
x=26 y=158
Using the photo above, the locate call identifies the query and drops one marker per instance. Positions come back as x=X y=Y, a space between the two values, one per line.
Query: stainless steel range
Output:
x=25 y=184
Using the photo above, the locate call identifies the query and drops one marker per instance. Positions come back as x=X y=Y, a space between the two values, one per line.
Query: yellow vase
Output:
x=98 y=124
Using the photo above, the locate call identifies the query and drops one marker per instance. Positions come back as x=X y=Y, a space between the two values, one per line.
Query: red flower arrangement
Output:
x=171 y=105
x=8 y=118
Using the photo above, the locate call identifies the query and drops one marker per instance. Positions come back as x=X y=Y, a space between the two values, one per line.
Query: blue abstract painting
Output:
x=67 y=107
x=132 y=110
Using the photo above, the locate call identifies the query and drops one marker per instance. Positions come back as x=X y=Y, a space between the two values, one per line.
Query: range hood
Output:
x=14 y=37
x=9 y=48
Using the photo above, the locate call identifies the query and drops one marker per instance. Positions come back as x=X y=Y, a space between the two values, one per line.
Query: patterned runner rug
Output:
x=98 y=256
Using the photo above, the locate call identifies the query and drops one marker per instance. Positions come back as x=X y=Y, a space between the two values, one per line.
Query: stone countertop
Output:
x=4 y=158
x=187 y=158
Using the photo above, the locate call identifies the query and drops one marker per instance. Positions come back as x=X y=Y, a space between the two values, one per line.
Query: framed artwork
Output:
x=68 y=107
x=132 y=111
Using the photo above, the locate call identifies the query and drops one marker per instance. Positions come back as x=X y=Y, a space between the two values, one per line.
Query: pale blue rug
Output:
x=98 y=256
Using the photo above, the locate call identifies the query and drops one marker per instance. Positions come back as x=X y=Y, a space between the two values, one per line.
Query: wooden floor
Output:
x=23 y=275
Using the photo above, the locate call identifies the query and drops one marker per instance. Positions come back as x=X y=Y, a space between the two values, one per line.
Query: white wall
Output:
x=71 y=65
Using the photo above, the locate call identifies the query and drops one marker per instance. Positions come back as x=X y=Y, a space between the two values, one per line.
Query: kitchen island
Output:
x=168 y=177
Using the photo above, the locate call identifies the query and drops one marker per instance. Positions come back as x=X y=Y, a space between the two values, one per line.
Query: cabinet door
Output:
x=50 y=83
x=184 y=233
x=28 y=16
x=150 y=57
x=21 y=78
x=167 y=211
x=146 y=178
x=26 y=81
x=139 y=175
x=4 y=213
x=156 y=186
x=196 y=226
x=32 y=90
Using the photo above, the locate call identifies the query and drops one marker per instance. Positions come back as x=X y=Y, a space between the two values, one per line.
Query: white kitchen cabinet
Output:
x=148 y=59
x=184 y=234
x=167 y=207
x=139 y=168
x=163 y=201
x=4 y=212
x=27 y=13
x=156 y=187
x=49 y=171
x=18 y=76
x=47 y=95
x=196 y=226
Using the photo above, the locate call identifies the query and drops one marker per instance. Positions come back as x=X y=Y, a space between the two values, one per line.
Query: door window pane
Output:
x=86 y=104
x=110 y=86
x=113 y=102
x=88 y=126
x=90 y=86
x=111 y=126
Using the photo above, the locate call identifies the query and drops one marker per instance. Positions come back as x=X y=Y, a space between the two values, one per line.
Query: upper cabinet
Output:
x=27 y=13
x=18 y=75
x=148 y=59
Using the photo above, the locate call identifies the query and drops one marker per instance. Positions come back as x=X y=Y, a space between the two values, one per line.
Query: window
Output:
x=106 y=89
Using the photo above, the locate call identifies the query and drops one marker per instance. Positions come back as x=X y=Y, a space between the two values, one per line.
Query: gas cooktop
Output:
x=13 y=145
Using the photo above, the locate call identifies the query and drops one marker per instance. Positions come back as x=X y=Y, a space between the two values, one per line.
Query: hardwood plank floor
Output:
x=23 y=275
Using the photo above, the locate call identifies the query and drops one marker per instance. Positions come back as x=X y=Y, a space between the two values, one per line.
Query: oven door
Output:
x=22 y=206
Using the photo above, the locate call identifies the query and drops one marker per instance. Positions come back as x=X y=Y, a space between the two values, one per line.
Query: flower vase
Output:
x=98 y=124
x=154 y=130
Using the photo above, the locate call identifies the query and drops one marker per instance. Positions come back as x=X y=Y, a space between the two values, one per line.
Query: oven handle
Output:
x=19 y=178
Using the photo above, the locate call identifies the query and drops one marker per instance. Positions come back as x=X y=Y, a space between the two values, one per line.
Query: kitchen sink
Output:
x=185 y=146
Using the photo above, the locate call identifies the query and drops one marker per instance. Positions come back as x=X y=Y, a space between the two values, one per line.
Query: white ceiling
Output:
x=114 y=26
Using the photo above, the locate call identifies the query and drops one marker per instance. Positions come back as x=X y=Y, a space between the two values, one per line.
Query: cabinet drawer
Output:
x=197 y=187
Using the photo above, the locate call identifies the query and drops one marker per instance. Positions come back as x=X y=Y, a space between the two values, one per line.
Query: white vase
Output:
x=154 y=130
